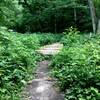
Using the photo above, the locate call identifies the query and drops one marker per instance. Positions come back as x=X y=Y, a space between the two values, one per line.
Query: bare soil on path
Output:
x=43 y=87
x=50 y=49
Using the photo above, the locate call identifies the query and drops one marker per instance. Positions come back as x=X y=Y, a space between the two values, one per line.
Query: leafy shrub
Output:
x=49 y=38
x=17 y=59
x=77 y=93
x=72 y=37
x=30 y=41
x=77 y=68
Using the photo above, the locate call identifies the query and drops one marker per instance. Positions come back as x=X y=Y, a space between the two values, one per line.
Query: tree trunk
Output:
x=75 y=16
x=75 y=13
x=98 y=29
x=93 y=16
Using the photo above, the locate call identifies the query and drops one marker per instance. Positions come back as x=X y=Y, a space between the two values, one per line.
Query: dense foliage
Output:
x=10 y=13
x=48 y=38
x=77 y=67
x=54 y=16
x=17 y=59
x=46 y=15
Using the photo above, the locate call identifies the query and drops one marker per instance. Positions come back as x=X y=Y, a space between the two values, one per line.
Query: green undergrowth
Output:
x=77 y=66
x=49 y=38
x=18 y=60
x=46 y=57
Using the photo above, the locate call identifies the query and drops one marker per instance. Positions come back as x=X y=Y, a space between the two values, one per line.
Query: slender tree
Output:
x=93 y=16
x=75 y=13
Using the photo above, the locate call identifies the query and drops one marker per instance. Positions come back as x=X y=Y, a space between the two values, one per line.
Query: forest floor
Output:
x=43 y=86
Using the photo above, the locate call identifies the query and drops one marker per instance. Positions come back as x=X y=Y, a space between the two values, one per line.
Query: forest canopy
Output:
x=46 y=15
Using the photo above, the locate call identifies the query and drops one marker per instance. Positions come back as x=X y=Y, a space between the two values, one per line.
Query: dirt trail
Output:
x=42 y=88
x=51 y=49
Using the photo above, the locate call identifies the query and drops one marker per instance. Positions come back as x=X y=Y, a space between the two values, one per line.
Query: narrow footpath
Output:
x=42 y=88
